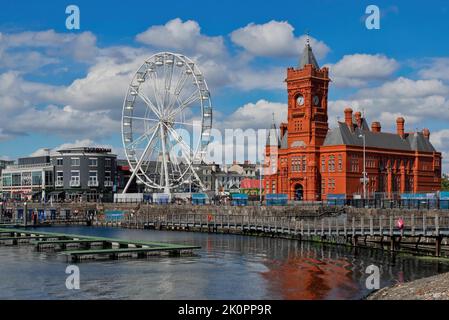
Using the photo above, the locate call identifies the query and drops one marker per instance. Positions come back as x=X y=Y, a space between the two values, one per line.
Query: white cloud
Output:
x=275 y=39
x=415 y=100
x=268 y=79
x=245 y=121
x=440 y=140
x=182 y=36
x=96 y=98
x=255 y=115
x=436 y=68
x=31 y=50
x=17 y=94
x=26 y=61
x=386 y=110
x=103 y=88
x=406 y=88
x=22 y=115
x=3 y=136
x=358 y=69
x=66 y=121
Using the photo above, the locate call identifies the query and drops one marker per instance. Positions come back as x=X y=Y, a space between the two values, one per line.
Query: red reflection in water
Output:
x=303 y=278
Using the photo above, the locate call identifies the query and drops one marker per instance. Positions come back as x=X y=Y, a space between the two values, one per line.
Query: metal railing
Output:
x=414 y=225
x=75 y=183
x=108 y=183
x=92 y=183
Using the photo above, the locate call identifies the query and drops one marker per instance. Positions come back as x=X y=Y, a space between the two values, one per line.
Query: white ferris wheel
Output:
x=166 y=122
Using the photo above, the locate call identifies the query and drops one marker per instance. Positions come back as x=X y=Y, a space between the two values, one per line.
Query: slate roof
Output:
x=342 y=135
x=284 y=141
x=308 y=57
x=271 y=140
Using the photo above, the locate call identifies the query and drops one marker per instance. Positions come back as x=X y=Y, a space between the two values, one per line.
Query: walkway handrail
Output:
x=423 y=224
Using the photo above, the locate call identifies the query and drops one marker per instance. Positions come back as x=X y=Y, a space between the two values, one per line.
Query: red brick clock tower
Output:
x=307 y=89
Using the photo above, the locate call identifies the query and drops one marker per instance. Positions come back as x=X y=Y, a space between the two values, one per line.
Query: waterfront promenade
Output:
x=425 y=231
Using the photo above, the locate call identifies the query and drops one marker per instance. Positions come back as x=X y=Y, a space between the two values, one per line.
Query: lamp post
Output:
x=25 y=213
x=364 y=165
x=260 y=183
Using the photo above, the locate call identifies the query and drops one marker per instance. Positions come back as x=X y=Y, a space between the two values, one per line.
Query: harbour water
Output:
x=226 y=267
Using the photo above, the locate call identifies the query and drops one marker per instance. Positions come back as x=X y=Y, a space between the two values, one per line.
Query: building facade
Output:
x=85 y=173
x=29 y=179
x=227 y=179
x=308 y=161
x=74 y=174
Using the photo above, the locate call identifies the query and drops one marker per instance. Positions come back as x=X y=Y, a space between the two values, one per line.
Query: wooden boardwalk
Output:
x=424 y=225
x=425 y=230
x=92 y=247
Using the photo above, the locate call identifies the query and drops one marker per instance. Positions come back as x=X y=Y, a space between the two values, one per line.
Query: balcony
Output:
x=92 y=183
x=59 y=184
x=108 y=184
x=75 y=183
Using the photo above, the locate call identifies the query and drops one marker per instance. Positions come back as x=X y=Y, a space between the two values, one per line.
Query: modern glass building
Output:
x=30 y=179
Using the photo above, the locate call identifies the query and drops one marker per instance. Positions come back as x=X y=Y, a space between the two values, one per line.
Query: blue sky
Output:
x=55 y=86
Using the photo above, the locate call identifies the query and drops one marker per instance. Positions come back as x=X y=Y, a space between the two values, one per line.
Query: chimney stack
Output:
x=348 y=118
x=400 y=126
x=375 y=127
x=426 y=133
x=358 y=118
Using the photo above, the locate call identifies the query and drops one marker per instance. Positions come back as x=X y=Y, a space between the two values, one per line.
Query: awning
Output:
x=199 y=196
x=239 y=196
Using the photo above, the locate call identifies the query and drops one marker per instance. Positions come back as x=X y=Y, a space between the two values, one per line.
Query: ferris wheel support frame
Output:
x=166 y=106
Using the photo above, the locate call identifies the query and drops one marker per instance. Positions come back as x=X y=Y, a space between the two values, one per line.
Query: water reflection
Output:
x=227 y=267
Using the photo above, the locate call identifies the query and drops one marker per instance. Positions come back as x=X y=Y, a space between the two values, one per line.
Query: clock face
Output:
x=300 y=100
x=316 y=100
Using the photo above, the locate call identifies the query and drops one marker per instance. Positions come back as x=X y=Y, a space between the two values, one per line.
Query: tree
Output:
x=445 y=182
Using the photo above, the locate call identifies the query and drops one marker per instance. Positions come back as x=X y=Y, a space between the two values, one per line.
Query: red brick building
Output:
x=308 y=161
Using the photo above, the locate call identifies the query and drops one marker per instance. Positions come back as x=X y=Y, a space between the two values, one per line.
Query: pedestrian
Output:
x=400 y=224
